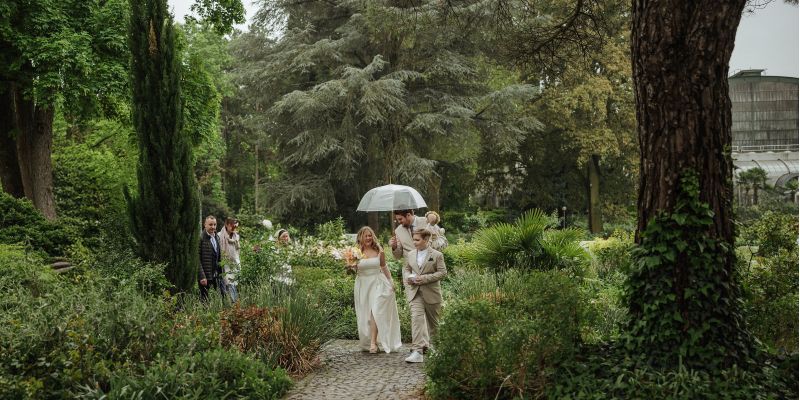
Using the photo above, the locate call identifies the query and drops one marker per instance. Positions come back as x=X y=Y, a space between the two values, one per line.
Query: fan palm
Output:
x=530 y=243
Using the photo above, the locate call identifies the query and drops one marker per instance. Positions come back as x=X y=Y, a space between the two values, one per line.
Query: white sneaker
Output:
x=415 y=357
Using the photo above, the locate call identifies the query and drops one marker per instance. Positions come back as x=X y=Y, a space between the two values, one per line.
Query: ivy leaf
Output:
x=652 y=261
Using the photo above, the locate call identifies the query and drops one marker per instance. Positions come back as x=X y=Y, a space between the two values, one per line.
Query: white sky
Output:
x=766 y=39
x=180 y=8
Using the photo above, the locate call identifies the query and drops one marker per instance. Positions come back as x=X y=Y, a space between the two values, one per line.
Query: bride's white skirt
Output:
x=373 y=293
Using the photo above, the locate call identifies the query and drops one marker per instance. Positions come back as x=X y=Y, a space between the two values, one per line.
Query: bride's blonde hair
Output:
x=361 y=232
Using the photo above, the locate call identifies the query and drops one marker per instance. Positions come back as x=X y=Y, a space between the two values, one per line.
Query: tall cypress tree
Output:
x=164 y=212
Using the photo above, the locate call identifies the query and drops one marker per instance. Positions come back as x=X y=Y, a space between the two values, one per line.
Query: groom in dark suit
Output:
x=209 y=257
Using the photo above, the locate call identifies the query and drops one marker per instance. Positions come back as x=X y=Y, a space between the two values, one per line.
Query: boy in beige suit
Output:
x=424 y=268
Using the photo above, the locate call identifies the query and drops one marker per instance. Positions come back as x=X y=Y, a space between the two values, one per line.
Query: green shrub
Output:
x=122 y=268
x=604 y=372
x=770 y=288
x=456 y=256
x=23 y=224
x=464 y=362
x=331 y=231
x=261 y=263
x=506 y=341
x=334 y=291
x=61 y=332
x=216 y=374
x=88 y=184
x=606 y=311
x=606 y=314
x=528 y=244
x=471 y=221
x=24 y=271
x=295 y=342
x=100 y=332
x=317 y=256
x=768 y=267
x=612 y=254
x=772 y=232
x=54 y=340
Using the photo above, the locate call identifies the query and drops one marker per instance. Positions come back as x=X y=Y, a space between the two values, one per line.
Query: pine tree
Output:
x=164 y=212
x=360 y=94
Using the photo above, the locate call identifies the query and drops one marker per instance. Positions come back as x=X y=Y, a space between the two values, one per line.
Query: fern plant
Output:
x=530 y=243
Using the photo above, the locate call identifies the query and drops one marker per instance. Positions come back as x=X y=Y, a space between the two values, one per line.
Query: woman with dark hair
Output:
x=374 y=295
x=282 y=237
x=284 y=274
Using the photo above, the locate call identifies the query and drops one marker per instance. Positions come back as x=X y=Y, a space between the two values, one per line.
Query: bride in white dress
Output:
x=374 y=295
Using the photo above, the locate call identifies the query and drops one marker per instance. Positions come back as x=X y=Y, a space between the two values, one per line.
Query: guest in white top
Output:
x=230 y=246
x=283 y=241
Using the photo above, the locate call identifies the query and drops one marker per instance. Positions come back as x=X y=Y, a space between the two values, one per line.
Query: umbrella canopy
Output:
x=390 y=198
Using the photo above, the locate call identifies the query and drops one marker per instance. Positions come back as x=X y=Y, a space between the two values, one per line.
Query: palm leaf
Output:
x=563 y=249
x=495 y=247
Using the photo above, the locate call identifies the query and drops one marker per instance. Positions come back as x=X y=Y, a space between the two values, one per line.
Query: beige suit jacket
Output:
x=405 y=240
x=430 y=273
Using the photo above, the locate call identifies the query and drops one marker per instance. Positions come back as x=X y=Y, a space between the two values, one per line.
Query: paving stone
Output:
x=349 y=373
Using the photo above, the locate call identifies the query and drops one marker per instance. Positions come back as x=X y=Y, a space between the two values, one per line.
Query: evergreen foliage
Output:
x=203 y=54
x=359 y=94
x=685 y=306
x=164 y=212
x=23 y=224
x=587 y=108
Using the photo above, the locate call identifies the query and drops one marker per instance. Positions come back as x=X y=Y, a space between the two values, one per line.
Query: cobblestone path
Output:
x=349 y=373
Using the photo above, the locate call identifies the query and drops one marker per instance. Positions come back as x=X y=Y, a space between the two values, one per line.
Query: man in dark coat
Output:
x=210 y=257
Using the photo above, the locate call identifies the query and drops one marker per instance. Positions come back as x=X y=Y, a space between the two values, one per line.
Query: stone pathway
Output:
x=349 y=373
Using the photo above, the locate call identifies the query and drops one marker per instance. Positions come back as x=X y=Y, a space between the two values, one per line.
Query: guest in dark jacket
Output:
x=210 y=257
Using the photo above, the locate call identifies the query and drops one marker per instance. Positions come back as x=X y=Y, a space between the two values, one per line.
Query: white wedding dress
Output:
x=373 y=294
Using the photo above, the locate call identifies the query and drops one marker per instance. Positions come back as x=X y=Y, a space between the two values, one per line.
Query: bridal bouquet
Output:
x=352 y=255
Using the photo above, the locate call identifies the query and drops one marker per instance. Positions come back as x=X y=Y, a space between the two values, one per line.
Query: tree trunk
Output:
x=374 y=221
x=680 y=54
x=255 y=184
x=34 y=141
x=595 y=219
x=434 y=186
x=684 y=296
x=9 y=163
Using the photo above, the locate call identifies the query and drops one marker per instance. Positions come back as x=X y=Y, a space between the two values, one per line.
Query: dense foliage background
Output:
x=291 y=122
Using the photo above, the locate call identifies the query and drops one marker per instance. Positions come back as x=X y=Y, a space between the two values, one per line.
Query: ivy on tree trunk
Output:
x=680 y=55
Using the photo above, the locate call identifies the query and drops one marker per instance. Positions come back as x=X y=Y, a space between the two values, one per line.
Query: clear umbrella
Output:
x=390 y=198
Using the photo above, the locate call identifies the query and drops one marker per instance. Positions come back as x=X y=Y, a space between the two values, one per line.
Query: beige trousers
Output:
x=424 y=320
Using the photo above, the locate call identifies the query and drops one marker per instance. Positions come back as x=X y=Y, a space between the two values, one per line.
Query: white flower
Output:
x=336 y=255
x=266 y=223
